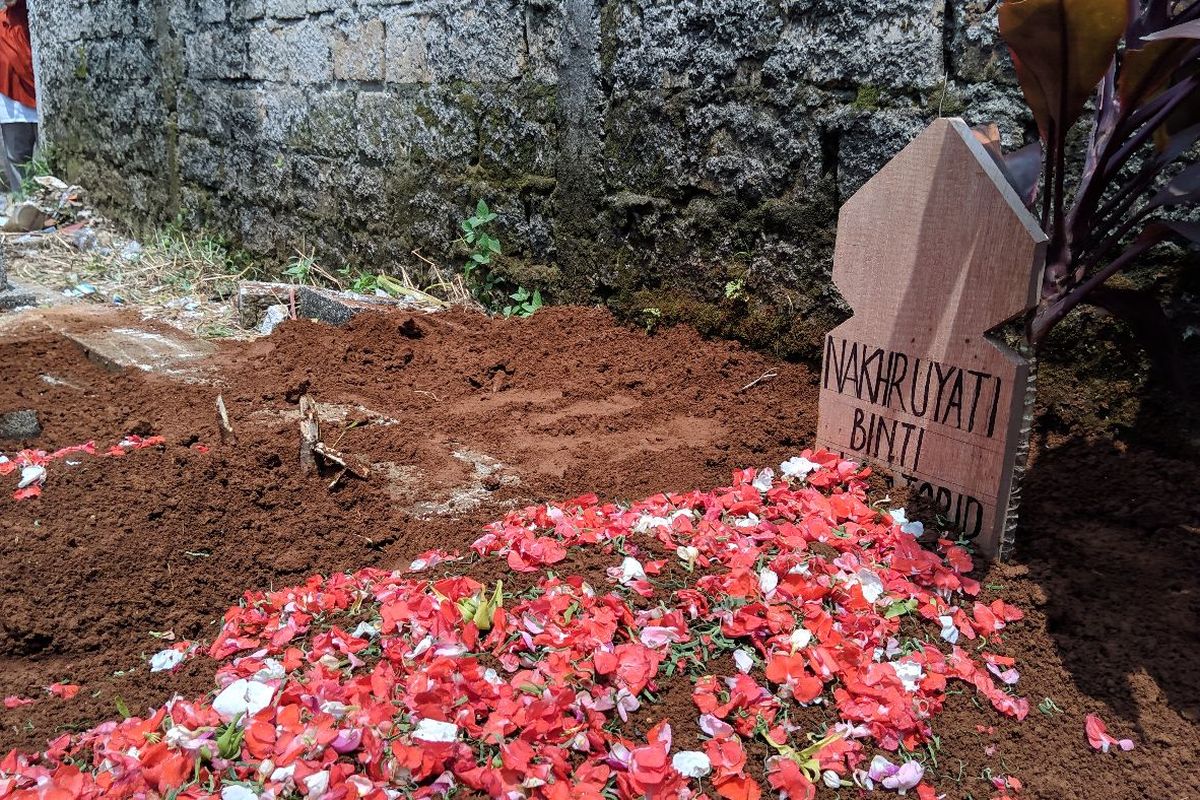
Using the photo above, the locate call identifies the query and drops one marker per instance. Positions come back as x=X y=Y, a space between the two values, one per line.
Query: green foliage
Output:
x=1049 y=707
x=38 y=166
x=483 y=247
x=736 y=290
x=189 y=260
x=524 y=304
x=491 y=290
x=897 y=609
x=301 y=269
x=229 y=741
x=358 y=281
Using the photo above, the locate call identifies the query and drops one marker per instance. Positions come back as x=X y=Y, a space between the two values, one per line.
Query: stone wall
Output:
x=643 y=153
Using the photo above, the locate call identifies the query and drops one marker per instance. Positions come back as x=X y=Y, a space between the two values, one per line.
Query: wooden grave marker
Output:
x=933 y=252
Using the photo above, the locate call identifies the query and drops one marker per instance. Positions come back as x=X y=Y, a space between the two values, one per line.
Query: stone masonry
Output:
x=683 y=155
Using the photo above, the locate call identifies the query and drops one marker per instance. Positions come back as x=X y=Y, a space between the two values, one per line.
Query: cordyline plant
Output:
x=1139 y=60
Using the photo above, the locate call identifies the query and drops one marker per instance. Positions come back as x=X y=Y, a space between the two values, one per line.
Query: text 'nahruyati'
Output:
x=964 y=399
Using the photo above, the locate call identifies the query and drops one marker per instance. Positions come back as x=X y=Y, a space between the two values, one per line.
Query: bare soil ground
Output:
x=462 y=417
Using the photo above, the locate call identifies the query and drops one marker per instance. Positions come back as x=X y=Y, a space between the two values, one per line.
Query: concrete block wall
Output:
x=642 y=153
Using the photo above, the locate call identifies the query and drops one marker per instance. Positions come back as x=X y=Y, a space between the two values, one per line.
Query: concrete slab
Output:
x=254 y=298
x=12 y=297
x=163 y=351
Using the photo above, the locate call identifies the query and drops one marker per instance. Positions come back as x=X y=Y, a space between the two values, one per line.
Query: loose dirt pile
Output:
x=463 y=418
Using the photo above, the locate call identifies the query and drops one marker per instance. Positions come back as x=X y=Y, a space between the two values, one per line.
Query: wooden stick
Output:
x=227 y=435
x=337 y=479
x=353 y=465
x=763 y=377
x=310 y=434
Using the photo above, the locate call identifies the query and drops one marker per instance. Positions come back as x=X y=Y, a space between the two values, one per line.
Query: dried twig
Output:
x=454 y=287
x=353 y=465
x=312 y=446
x=310 y=433
x=227 y=435
x=337 y=478
x=765 y=376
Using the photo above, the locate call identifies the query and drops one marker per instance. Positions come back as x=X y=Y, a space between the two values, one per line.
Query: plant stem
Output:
x=1047 y=317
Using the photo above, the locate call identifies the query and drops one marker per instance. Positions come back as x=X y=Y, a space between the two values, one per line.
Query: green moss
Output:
x=798 y=218
x=328 y=129
x=945 y=102
x=867 y=98
x=535 y=184
x=609 y=46
x=81 y=63
x=763 y=325
x=424 y=113
x=528 y=273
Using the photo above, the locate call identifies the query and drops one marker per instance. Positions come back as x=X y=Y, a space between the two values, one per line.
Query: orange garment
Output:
x=16 y=55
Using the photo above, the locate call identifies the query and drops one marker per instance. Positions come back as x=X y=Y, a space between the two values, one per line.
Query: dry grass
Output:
x=188 y=279
x=181 y=279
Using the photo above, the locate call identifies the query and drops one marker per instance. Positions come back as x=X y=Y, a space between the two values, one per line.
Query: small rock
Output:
x=131 y=252
x=26 y=217
x=22 y=424
x=273 y=316
x=51 y=182
x=85 y=239
x=491 y=482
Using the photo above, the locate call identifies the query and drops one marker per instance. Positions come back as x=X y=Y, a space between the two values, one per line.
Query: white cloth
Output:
x=12 y=111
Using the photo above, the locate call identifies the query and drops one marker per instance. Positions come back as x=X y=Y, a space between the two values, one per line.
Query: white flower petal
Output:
x=797 y=467
x=872 y=586
x=432 y=730
x=631 y=570
x=949 y=629
x=272 y=669
x=34 y=473
x=800 y=638
x=236 y=791
x=281 y=774
x=743 y=659
x=317 y=783
x=243 y=697
x=691 y=764
x=764 y=479
x=767 y=581
x=909 y=673
x=366 y=630
x=167 y=659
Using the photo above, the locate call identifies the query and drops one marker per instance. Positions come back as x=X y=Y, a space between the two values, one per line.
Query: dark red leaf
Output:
x=1186 y=30
x=1186 y=230
x=1023 y=168
x=1178 y=144
x=1184 y=188
x=1146 y=69
x=1061 y=49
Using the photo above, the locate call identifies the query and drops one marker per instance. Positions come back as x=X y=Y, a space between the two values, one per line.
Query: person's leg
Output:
x=8 y=173
x=20 y=138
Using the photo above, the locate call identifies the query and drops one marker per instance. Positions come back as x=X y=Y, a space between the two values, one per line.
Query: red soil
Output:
x=569 y=402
